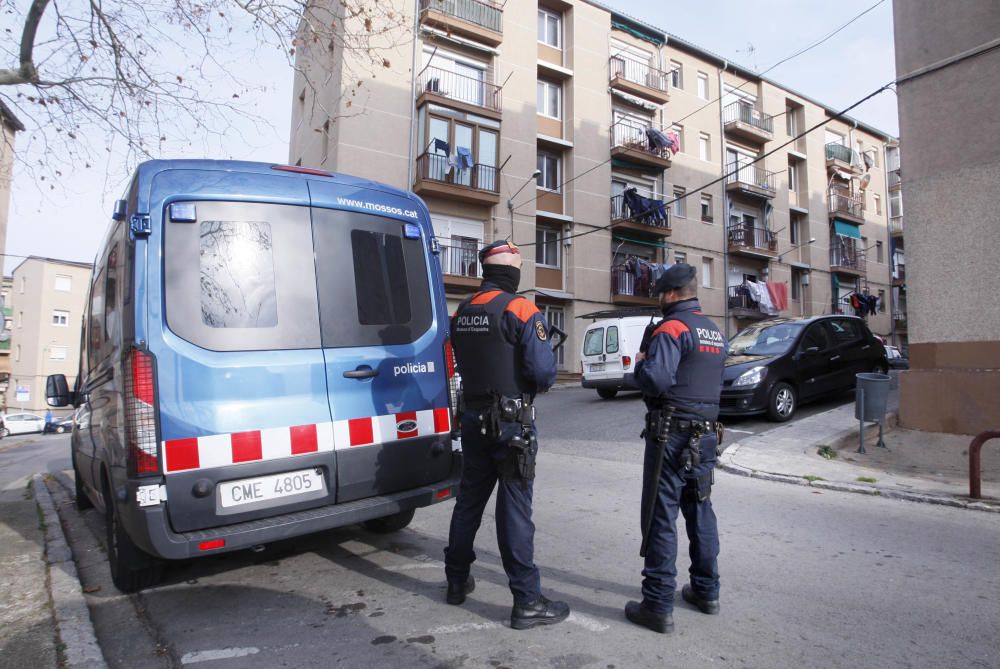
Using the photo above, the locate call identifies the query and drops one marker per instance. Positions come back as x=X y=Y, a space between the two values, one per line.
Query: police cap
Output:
x=678 y=276
x=496 y=248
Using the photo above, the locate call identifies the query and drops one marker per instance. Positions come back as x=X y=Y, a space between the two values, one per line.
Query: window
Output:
x=874 y=155
x=706 y=272
x=895 y=204
x=547 y=247
x=60 y=318
x=879 y=252
x=455 y=76
x=443 y=138
x=611 y=339
x=676 y=74
x=791 y=121
x=64 y=283
x=548 y=165
x=549 y=98
x=20 y=319
x=233 y=297
x=706 y=208
x=793 y=175
x=881 y=301
x=24 y=282
x=679 y=199
x=17 y=353
x=679 y=129
x=702 y=85
x=796 y=284
x=704 y=146
x=878 y=203
x=57 y=353
x=555 y=316
x=593 y=342
x=550 y=28
x=680 y=256
x=845 y=331
x=794 y=234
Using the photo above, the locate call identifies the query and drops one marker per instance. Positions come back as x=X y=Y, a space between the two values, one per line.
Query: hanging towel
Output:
x=753 y=290
x=657 y=140
x=442 y=146
x=675 y=141
x=464 y=157
x=765 y=299
x=869 y=161
x=778 y=292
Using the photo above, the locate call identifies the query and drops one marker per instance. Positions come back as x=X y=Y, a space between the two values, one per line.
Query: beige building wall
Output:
x=48 y=298
x=378 y=130
x=9 y=127
x=951 y=230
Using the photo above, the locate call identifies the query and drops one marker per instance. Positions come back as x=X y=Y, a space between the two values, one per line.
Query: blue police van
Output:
x=264 y=354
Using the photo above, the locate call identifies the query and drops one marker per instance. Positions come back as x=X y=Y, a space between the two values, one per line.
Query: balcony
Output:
x=747 y=122
x=896 y=226
x=843 y=158
x=899 y=275
x=752 y=241
x=899 y=316
x=460 y=263
x=626 y=289
x=437 y=178
x=742 y=305
x=751 y=180
x=458 y=91
x=639 y=79
x=895 y=179
x=639 y=145
x=640 y=212
x=846 y=205
x=479 y=20
x=843 y=307
x=847 y=259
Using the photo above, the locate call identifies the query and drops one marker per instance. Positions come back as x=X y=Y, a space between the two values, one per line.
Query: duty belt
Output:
x=683 y=425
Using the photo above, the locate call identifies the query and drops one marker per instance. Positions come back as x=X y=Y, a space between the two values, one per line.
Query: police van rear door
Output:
x=594 y=357
x=383 y=322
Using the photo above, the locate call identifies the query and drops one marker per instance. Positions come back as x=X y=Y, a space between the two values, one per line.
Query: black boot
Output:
x=709 y=606
x=457 y=591
x=658 y=622
x=539 y=612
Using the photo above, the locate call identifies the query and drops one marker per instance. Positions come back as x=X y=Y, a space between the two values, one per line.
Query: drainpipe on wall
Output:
x=725 y=204
x=410 y=158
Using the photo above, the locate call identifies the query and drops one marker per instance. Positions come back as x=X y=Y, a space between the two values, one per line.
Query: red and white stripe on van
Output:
x=220 y=450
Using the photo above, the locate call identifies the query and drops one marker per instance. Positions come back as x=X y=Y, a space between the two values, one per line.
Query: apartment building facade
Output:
x=607 y=148
x=47 y=301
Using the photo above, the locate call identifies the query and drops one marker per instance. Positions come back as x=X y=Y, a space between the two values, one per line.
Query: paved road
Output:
x=26 y=454
x=809 y=579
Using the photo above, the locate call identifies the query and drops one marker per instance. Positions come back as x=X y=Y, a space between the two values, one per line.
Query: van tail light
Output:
x=626 y=361
x=139 y=397
x=453 y=381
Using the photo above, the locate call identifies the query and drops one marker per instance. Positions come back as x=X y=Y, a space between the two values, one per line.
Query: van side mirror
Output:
x=57 y=392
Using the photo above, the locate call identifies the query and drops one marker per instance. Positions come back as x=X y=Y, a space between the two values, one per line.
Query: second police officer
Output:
x=680 y=375
x=504 y=357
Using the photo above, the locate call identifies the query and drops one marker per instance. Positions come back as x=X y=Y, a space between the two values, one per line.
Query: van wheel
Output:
x=390 y=524
x=132 y=569
x=82 y=501
x=607 y=393
x=782 y=402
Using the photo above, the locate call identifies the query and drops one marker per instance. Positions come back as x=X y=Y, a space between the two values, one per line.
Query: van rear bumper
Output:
x=171 y=545
x=626 y=382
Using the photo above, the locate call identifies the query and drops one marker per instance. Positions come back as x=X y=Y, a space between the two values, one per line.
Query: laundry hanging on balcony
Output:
x=869 y=161
x=661 y=140
x=644 y=209
x=464 y=157
x=778 y=293
x=442 y=146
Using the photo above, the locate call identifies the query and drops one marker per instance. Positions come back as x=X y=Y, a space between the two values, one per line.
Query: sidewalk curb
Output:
x=726 y=464
x=76 y=631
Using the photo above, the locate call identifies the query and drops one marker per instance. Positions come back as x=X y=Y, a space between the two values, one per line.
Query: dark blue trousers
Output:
x=660 y=572
x=483 y=458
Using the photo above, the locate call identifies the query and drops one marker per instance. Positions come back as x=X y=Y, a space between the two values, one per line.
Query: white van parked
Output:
x=610 y=346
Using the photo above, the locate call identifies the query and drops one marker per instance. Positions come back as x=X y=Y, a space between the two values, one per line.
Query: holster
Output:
x=523 y=448
x=658 y=424
x=698 y=489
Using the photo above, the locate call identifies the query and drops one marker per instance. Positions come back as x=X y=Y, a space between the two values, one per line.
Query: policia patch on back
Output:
x=540 y=330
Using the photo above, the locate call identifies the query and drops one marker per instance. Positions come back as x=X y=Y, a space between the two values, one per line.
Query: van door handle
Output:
x=363 y=372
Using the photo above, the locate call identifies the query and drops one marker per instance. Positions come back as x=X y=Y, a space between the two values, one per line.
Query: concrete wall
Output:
x=952 y=228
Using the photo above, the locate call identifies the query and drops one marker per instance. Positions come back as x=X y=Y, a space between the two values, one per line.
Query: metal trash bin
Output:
x=872 y=396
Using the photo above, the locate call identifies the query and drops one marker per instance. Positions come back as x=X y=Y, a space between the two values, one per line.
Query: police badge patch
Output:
x=540 y=330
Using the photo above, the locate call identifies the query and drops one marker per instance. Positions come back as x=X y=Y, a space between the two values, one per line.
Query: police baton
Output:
x=654 y=491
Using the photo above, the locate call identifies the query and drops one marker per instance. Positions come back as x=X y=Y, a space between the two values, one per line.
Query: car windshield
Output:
x=765 y=339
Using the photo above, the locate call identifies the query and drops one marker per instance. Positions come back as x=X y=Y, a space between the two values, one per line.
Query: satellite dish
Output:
x=865 y=180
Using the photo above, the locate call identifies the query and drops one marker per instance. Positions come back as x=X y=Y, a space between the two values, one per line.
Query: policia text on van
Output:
x=260 y=361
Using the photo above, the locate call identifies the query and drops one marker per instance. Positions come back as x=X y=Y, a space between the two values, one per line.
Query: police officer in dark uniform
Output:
x=504 y=356
x=680 y=375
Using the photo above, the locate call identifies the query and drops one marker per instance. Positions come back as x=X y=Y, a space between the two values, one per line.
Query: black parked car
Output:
x=775 y=364
x=60 y=425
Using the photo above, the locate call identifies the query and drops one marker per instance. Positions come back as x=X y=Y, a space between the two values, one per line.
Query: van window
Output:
x=593 y=343
x=612 y=339
x=237 y=275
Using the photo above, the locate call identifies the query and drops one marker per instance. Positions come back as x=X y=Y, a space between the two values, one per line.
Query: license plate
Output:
x=597 y=367
x=263 y=488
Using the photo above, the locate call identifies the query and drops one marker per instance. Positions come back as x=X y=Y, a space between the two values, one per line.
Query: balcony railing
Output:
x=895 y=225
x=837 y=151
x=740 y=298
x=625 y=283
x=753 y=237
x=847 y=204
x=638 y=72
x=460 y=259
x=740 y=112
x=895 y=178
x=628 y=136
x=899 y=314
x=640 y=208
x=437 y=167
x=751 y=175
x=482 y=13
x=470 y=90
x=843 y=306
x=847 y=257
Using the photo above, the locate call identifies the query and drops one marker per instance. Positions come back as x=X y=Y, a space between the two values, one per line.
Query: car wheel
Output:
x=132 y=569
x=5 y=432
x=82 y=501
x=607 y=393
x=60 y=429
x=390 y=524
x=782 y=402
